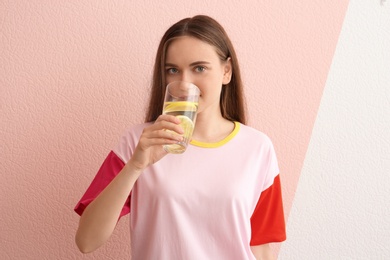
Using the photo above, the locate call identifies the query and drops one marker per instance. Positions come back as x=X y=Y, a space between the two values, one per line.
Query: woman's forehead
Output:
x=190 y=49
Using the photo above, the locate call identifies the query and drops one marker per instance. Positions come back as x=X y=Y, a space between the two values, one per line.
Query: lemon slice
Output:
x=180 y=106
x=187 y=125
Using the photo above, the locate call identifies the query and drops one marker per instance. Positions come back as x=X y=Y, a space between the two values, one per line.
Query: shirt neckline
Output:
x=220 y=143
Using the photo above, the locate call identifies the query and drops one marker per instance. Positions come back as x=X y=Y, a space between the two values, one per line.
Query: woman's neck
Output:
x=211 y=128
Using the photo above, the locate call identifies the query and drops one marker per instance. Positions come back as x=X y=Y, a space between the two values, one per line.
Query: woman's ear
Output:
x=227 y=71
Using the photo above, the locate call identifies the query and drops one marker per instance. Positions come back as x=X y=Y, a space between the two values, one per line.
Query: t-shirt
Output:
x=212 y=202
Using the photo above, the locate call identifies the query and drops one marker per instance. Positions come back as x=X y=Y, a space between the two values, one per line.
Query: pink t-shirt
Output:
x=212 y=202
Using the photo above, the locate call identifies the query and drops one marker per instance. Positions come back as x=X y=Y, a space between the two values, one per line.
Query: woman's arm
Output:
x=101 y=216
x=263 y=252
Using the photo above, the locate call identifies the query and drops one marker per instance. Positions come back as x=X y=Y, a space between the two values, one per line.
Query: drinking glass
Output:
x=181 y=100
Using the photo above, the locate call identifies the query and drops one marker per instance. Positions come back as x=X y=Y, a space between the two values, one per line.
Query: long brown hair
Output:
x=210 y=31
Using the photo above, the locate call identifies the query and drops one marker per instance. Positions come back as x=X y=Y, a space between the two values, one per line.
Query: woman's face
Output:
x=192 y=60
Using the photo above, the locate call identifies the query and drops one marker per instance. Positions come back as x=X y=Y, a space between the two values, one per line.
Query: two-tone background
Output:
x=75 y=74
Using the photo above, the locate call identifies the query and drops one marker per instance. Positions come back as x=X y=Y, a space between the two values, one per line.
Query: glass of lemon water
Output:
x=181 y=100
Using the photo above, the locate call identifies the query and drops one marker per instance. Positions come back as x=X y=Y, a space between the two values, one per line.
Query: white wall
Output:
x=341 y=208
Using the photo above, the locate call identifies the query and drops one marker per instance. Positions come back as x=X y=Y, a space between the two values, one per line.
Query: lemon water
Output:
x=186 y=112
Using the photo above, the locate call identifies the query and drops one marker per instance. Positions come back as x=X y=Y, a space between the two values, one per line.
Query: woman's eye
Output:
x=200 y=69
x=172 y=70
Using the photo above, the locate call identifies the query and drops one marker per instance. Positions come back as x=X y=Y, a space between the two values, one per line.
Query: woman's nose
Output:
x=185 y=76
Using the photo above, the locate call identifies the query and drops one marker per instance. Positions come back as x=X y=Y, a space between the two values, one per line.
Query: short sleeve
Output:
x=267 y=221
x=110 y=168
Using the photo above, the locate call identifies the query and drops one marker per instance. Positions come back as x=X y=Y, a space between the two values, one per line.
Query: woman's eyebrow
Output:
x=191 y=64
x=170 y=65
x=199 y=63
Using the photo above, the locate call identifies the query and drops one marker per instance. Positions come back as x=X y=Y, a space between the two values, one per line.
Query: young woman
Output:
x=221 y=198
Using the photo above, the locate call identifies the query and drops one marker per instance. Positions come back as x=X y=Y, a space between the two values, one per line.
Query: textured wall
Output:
x=341 y=207
x=74 y=74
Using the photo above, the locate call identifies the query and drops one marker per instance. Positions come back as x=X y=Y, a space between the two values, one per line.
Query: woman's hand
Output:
x=150 y=146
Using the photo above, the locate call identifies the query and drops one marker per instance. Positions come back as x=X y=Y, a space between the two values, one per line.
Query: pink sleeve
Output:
x=111 y=166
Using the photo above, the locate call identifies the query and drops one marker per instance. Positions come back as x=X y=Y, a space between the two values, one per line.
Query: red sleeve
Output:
x=111 y=166
x=267 y=221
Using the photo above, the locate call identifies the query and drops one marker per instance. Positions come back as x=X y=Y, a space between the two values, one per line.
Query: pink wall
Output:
x=73 y=75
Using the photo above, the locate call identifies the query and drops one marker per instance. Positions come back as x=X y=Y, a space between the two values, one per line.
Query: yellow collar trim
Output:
x=220 y=143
